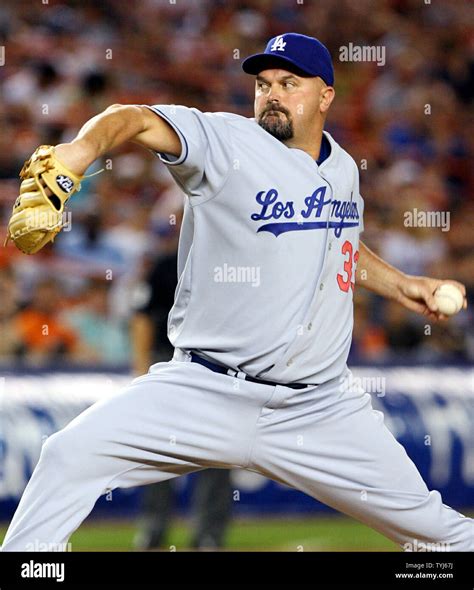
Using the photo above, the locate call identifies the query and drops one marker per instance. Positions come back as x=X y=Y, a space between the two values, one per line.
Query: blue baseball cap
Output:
x=303 y=55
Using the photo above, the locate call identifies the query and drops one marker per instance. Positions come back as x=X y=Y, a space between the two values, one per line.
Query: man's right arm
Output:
x=116 y=125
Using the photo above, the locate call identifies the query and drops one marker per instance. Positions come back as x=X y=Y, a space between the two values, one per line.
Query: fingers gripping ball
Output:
x=449 y=299
x=37 y=214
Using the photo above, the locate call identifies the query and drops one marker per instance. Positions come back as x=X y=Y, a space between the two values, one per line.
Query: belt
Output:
x=195 y=358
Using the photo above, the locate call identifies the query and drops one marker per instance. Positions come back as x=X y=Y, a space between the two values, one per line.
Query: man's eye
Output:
x=288 y=84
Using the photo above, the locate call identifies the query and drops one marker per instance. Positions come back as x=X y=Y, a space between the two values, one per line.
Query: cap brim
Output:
x=265 y=61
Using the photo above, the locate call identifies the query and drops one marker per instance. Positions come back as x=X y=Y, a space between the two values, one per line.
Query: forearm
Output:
x=413 y=292
x=114 y=126
x=376 y=275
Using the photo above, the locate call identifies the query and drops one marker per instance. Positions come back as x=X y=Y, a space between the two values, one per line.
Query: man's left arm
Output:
x=413 y=292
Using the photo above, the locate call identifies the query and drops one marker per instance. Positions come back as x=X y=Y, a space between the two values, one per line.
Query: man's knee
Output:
x=61 y=451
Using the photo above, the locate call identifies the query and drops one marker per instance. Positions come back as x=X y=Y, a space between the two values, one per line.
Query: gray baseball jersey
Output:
x=266 y=284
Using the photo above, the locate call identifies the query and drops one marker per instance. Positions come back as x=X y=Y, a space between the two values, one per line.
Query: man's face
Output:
x=285 y=104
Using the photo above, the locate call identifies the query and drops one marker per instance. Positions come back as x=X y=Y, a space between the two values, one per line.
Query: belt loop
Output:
x=236 y=374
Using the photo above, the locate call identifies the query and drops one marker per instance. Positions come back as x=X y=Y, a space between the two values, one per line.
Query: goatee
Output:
x=280 y=127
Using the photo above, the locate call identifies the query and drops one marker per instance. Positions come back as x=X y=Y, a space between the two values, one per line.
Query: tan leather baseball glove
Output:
x=37 y=214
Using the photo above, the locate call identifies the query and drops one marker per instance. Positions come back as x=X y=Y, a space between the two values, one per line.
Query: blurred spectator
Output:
x=87 y=244
x=43 y=336
x=10 y=340
x=370 y=341
x=105 y=338
x=404 y=330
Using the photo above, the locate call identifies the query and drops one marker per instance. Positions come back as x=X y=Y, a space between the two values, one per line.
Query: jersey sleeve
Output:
x=206 y=150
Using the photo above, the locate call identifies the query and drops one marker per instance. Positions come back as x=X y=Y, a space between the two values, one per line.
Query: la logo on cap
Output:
x=279 y=44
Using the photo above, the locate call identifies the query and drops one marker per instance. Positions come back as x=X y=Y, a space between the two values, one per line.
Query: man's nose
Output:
x=273 y=101
x=274 y=93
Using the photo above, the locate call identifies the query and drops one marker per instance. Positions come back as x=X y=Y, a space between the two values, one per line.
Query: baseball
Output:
x=449 y=299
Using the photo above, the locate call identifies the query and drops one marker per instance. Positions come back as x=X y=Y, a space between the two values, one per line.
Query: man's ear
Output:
x=327 y=96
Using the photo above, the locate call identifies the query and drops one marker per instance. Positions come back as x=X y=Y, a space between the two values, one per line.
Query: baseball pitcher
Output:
x=262 y=319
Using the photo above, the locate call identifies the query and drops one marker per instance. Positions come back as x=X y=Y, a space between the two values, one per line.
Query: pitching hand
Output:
x=417 y=294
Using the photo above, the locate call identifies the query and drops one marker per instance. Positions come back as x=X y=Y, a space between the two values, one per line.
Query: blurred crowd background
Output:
x=408 y=125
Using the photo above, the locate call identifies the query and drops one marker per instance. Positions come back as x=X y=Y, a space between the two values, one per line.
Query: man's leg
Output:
x=179 y=418
x=330 y=443
x=157 y=510
x=213 y=504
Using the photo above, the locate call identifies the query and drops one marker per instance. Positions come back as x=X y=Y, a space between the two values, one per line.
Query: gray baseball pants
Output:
x=326 y=441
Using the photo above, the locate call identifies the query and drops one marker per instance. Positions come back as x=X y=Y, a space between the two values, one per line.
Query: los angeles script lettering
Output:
x=273 y=208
